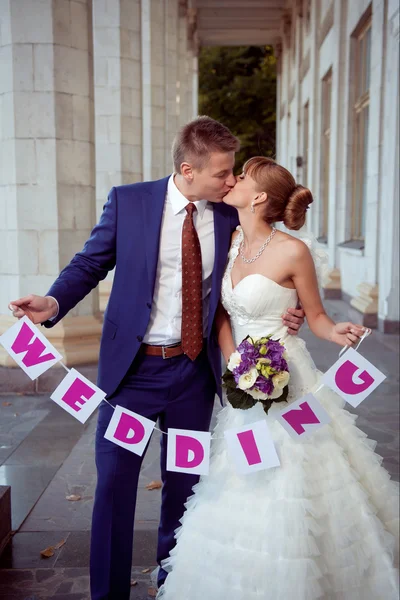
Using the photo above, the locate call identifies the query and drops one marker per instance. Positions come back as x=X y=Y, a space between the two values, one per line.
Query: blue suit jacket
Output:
x=127 y=237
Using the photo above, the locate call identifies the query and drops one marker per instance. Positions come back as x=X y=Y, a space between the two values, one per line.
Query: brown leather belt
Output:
x=164 y=351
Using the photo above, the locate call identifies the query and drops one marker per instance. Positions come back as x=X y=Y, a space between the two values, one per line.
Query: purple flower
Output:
x=244 y=366
x=248 y=351
x=264 y=384
x=279 y=363
x=275 y=348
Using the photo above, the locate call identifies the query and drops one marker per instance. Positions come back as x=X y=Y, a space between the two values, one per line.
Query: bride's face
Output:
x=243 y=194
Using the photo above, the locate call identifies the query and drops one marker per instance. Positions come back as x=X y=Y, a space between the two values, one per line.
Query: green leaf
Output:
x=240 y=399
x=283 y=398
x=266 y=404
x=228 y=380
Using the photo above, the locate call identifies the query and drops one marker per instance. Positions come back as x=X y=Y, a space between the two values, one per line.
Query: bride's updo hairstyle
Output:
x=286 y=201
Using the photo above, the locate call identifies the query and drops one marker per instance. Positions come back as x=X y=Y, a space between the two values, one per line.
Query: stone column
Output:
x=283 y=96
x=332 y=287
x=389 y=287
x=183 y=69
x=145 y=23
x=195 y=80
x=366 y=300
x=118 y=101
x=314 y=109
x=158 y=87
x=47 y=195
x=171 y=79
x=118 y=109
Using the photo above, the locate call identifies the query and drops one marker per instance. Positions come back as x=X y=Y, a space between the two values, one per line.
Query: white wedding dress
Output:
x=322 y=525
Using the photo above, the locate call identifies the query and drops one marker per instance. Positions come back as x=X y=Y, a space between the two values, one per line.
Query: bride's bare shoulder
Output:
x=292 y=246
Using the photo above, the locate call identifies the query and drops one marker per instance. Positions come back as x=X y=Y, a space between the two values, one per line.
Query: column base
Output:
x=366 y=303
x=332 y=286
x=388 y=326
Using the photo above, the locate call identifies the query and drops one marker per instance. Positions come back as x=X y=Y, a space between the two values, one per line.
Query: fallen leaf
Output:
x=133 y=582
x=73 y=497
x=154 y=485
x=146 y=570
x=47 y=552
x=152 y=592
x=6 y=404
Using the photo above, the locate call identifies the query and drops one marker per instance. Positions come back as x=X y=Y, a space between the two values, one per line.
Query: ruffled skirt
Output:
x=322 y=525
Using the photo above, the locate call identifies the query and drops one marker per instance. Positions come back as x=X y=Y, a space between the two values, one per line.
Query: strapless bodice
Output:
x=256 y=304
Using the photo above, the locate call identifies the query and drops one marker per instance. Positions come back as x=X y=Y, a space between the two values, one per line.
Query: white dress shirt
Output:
x=166 y=315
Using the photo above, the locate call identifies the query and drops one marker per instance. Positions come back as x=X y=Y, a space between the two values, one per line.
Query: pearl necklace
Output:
x=261 y=250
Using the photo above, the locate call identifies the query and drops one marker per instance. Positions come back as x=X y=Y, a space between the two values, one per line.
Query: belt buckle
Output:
x=163 y=353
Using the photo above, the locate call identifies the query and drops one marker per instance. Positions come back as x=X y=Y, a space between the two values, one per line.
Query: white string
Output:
x=65 y=367
x=156 y=428
x=366 y=333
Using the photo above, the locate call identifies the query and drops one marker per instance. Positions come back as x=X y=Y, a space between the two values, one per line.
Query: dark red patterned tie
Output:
x=192 y=302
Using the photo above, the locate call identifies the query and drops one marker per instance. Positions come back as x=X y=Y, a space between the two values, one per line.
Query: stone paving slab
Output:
x=19 y=415
x=78 y=476
x=62 y=584
x=36 y=437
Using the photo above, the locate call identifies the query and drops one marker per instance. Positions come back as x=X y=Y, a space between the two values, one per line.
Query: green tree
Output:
x=237 y=86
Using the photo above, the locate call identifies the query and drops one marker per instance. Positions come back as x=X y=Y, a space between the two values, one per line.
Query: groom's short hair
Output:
x=198 y=138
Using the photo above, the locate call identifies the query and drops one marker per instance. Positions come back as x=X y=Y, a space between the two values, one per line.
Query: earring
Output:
x=253 y=210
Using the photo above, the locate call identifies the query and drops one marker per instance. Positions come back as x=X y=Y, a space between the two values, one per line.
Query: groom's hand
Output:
x=293 y=320
x=37 y=308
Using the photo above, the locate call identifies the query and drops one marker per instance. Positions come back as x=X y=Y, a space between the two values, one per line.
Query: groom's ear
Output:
x=187 y=171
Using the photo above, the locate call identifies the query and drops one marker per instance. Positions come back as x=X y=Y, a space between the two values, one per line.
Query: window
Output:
x=362 y=67
x=305 y=144
x=326 y=102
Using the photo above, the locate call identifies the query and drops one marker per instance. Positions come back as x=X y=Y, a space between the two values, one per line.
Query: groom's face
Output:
x=216 y=178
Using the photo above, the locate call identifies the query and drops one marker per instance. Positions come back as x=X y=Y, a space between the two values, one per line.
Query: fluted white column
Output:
x=47 y=194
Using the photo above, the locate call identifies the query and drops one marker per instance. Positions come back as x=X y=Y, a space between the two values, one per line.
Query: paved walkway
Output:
x=46 y=455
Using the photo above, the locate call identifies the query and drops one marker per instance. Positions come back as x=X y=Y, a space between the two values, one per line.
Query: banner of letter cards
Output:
x=251 y=447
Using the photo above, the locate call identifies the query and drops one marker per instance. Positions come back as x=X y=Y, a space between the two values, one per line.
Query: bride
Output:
x=323 y=524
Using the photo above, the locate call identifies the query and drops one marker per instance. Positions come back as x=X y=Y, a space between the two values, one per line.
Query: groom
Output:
x=159 y=356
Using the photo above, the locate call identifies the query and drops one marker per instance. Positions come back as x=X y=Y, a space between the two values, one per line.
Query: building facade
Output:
x=92 y=93
x=338 y=131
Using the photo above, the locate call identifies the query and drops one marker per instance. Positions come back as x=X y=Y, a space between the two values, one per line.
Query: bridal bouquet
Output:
x=257 y=372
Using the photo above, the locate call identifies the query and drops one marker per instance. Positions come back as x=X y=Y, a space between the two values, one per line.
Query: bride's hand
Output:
x=347 y=334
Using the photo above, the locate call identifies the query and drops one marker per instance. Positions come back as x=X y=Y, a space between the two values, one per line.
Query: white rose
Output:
x=280 y=380
x=257 y=395
x=276 y=393
x=234 y=360
x=247 y=380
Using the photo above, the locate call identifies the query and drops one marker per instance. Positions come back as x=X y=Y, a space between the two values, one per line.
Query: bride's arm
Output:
x=224 y=332
x=305 y=280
